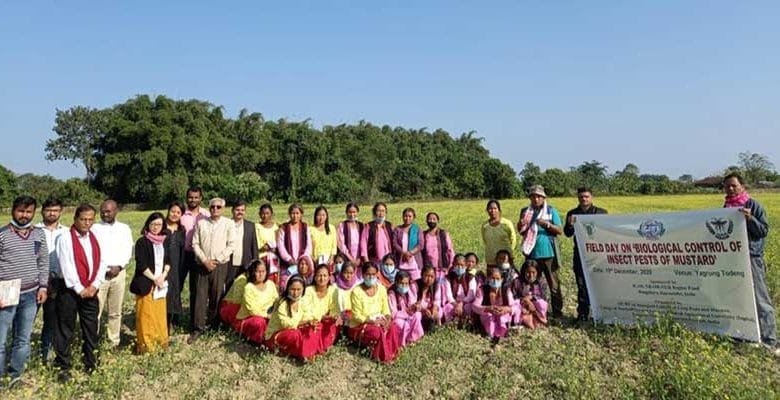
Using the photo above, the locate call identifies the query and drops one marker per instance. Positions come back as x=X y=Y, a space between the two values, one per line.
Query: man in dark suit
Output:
x=246 y=248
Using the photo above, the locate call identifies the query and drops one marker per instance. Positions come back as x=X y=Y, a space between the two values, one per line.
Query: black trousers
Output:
x=56 y=286
x=68 y=305
x=233 y=272
x=206 y=291
x=550 y=270
x=188 y=264
x=583 y=301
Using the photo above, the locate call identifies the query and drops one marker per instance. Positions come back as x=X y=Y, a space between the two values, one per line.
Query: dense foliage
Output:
x=150 y=150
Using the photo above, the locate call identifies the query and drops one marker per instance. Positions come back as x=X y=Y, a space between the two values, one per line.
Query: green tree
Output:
x=7 y=186
x=755 y=167
x=78 y=130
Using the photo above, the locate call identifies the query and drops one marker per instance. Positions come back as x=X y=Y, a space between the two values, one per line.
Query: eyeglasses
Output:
x=216 y=207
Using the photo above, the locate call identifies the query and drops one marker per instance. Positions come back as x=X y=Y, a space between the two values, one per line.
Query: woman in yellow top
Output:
x=371 y=324
x=288 y=332
x=231 y=303
x=324 y=239
x=258 y=298
x=322 y=307
x=497 y=233
x=266 y=231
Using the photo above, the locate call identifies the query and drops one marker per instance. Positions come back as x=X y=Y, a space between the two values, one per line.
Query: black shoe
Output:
x=494 y=341
x=64 y=376
x=193 y=337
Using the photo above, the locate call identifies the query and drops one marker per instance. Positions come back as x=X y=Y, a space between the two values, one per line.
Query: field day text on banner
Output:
x=693 y=266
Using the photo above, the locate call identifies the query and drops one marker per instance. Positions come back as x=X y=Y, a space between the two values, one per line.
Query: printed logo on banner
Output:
x=651 y=229
x=720 y=228
x=590 y=227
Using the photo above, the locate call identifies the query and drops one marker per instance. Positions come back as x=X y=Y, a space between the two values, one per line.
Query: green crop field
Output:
x=563 y=361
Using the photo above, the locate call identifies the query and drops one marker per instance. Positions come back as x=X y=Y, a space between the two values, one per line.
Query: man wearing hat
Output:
x=539 y=225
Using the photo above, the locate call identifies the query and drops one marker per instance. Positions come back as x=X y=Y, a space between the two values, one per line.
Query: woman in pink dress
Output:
x=293 y=242
x=407 y=245
x=349 y=232
x=376 y=241
x=429 y=299
x=437 y=247
x=463 y=287
x=495 y=305
x=405 y=309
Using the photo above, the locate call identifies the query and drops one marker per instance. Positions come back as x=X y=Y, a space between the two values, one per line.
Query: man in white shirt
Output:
x=213 y=242
x=52 y=229
x=79 y=256
x=116 y=244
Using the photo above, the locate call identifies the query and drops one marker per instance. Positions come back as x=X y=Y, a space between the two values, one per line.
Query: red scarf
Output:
x=80 y=257
x=737 y=201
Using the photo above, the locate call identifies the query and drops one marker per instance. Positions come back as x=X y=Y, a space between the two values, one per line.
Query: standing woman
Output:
x=174 y=246
x=323 y=238
x=149 y=285
x=321 y=307
x=267 y=231
x=287 y=331
x=258 y=298
x=371 y=324
x=437 y=247
x=294 y=240
x=407 y=244
x=497 y=233
x=376 y=241
x=349 y=233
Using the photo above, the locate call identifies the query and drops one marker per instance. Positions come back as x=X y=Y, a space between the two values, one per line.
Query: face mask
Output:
x=338 y=267
x=495 y=283
x=292 y=269
x=369 y=281
x=431 y=225
x=350 y=218
x=402 y=289
x=19 y=226
x=473 y=272
x=459 y=271
x=293 y=298
x=379 y=220
x=506 y=266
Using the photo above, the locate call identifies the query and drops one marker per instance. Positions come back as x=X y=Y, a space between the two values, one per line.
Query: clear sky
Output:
x=673 y=86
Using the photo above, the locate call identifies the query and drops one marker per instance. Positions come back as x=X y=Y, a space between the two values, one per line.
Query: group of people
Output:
x=292 y=287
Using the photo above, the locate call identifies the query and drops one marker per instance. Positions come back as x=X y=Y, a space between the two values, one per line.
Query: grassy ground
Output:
x=565 y=361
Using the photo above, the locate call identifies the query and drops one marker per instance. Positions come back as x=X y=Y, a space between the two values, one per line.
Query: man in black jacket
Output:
x=246 y=243
x=585 y=198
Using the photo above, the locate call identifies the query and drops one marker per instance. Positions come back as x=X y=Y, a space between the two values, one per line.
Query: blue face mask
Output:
x=402 y=289
x=338 y=267
x=389 y=271
x=379 y=220
x=460 y=271
x=495 y=283
x=292 y=269
x=369 y=281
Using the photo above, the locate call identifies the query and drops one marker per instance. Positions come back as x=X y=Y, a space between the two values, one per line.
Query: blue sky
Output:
x=674 y=87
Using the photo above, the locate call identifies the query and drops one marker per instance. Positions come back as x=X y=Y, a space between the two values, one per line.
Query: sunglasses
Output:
x=217 y=207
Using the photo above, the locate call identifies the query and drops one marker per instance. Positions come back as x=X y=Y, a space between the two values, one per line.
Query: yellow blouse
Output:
x=323 y=244
x=282 y=319
x=236 y=292
x=256 y=301
x=315 y=307
x=365 y=307
x=499 y=237
x=266 y=236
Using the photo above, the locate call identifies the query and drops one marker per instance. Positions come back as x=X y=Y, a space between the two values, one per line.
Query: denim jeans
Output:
x=21 y=317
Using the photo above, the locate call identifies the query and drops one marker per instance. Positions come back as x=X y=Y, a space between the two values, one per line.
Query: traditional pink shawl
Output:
x=737 y=201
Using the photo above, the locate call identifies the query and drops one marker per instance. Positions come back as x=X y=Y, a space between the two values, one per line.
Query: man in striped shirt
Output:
x=23 y=257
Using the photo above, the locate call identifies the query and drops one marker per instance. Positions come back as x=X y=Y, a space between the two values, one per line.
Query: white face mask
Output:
x=506 y=266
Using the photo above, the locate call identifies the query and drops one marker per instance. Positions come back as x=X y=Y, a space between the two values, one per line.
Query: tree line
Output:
x=149 y=150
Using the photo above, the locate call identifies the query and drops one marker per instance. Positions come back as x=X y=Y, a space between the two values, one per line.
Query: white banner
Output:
x=693 y=266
